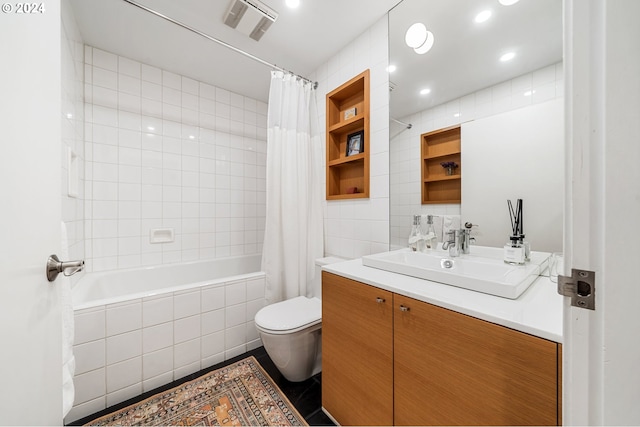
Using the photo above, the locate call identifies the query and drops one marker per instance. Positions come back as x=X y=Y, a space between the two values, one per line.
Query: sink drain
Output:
x=446 y=263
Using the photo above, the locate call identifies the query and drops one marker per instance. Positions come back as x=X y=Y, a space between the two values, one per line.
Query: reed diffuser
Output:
x=515 y=252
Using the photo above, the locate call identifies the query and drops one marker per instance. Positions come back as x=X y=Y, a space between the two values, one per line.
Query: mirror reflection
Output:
x=461 y=79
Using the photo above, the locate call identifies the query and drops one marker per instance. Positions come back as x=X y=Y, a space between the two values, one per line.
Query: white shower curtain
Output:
x=293 y=236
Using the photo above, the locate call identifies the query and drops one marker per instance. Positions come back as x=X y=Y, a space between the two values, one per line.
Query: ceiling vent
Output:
x=251 y=17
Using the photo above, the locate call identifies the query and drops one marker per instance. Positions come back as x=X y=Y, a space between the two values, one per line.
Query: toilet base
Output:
x=298 y=357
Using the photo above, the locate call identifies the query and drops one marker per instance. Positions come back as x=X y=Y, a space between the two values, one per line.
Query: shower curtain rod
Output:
x=408 y=125
x=220 y=42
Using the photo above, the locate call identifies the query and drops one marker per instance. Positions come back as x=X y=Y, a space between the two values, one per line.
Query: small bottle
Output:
x=416 y=239
x=430 y=237
x=514 y=251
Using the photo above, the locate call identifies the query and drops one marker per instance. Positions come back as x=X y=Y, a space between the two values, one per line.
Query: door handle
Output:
x=68 y=268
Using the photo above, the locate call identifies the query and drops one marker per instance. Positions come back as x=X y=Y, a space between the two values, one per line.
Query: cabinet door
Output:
x=357 y=352
x=452 y=369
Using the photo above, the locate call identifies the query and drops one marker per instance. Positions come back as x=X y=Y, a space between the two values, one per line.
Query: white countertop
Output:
x=538 y=311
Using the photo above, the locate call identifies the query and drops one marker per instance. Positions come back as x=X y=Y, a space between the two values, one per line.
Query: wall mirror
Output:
x=462 y=80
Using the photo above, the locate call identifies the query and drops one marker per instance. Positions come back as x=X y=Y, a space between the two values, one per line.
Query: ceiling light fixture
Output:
x=508 y=2
x=427 y=45
x=292 y=3
x=483 y=16
x=507 y=56
x=426 y=91
x=416 y=35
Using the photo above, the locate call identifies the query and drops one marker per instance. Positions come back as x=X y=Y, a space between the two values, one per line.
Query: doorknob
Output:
x=55 y=267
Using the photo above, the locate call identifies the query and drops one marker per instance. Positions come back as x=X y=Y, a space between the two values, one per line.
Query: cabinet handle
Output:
x=379 y=300
x=404 y=308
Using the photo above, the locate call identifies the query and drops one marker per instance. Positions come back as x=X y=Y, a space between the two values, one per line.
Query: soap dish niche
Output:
x=161 y=235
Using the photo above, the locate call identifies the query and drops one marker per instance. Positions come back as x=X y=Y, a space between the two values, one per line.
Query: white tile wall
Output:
x=539 y=86
x=127 y=348
x=164 y=150
x=360 y=227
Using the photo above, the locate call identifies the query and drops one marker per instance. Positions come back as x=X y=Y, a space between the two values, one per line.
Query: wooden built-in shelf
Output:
x=344 y=173
x=439 y=146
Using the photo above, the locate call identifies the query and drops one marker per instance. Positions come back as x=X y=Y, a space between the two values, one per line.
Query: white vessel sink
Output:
x=483 y=270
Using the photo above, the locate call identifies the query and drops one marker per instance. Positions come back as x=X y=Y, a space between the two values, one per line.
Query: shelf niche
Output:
x=348 y=176
x=442 y=145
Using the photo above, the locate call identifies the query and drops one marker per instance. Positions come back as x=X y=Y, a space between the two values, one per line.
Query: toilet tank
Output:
x=317 y=279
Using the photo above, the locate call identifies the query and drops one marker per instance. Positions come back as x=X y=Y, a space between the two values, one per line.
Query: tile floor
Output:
x=306 y=396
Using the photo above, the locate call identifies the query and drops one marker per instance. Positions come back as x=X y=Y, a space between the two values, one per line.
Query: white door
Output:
x=602 y=347
x=30 y=123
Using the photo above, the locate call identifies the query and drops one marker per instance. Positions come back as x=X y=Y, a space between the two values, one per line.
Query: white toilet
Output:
x=290 y=331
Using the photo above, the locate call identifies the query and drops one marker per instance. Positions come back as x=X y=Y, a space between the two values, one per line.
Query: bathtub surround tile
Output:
x=124 y=317
x=186 y=304
x=89 y=325
x=235 y=315
x=187 y=329
x=157 y=337
x=89 y=386
x=213 y=321
x=156 y=310
x=89 y=356
x=124 y=394
x=157 y=363
x=124 y=346
x=235 y=293
x=155 y=382
x=124 y=374
x=186 y=354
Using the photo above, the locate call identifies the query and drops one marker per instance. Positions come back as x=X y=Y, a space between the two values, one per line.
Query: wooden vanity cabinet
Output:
x=440 y=368
x=357 y=348
x=453 y=369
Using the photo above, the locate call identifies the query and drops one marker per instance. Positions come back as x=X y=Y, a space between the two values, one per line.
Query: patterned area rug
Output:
x=241 y=394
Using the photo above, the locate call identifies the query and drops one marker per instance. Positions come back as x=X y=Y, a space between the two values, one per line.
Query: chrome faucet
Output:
x=453 y=242
x=458 y=241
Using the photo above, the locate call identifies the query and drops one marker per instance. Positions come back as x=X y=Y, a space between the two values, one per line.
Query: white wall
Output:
x=360 y=227
x=405 y=200
x=164 y=150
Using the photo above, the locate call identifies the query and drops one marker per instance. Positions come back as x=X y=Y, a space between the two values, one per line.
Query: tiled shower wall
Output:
x=531 y=88
x=166 y=151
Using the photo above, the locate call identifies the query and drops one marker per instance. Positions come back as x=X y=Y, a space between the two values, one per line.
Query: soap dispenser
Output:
x=416 y=238
x=430 y=237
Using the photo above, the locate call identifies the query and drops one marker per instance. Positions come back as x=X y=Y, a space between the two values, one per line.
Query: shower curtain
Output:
x=293 y=236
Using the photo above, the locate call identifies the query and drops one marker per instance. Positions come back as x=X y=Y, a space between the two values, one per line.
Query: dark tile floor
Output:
x=306 y=396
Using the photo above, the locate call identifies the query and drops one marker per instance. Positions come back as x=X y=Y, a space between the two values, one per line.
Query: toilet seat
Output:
x=289 y=316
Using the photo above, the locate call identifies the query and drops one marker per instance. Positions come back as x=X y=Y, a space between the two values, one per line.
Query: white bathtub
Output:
x=138 y=329
x=121 y=285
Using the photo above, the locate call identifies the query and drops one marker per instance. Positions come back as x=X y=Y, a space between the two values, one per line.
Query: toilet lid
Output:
x=291 y=314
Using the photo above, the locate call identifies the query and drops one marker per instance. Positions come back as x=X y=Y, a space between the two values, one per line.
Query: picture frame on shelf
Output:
x=355 y=143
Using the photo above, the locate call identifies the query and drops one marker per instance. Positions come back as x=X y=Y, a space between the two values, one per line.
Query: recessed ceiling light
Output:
x=427 y=45
x=483 y=16
x=425 y=91
x=508 y=2
x=507 y=56
x=150 y=128
x=292 y=3
x=416 y=35
x=529 y=92
x=391 y=68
